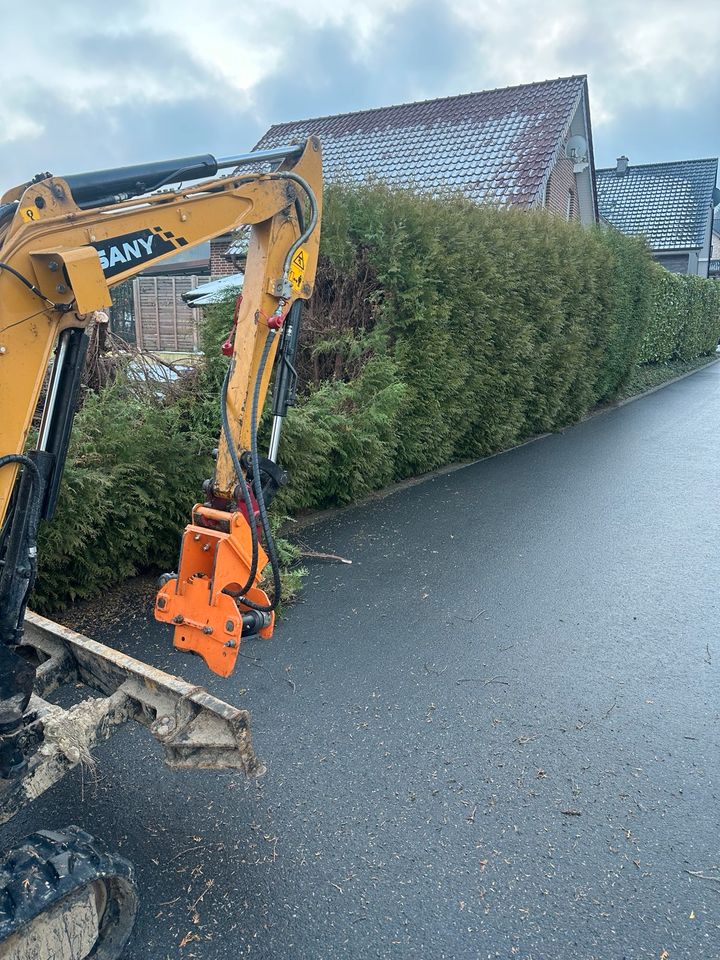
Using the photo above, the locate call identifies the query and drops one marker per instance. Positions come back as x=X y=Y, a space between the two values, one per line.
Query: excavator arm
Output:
x=64 y=243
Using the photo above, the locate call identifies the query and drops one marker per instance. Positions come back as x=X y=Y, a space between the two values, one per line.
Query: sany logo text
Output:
x=138 y=249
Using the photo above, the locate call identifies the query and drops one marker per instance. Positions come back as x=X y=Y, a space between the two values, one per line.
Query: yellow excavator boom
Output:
x=64 y=243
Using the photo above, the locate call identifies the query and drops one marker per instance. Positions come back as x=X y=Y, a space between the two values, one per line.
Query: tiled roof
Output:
x=669 y=203
x=497 y=145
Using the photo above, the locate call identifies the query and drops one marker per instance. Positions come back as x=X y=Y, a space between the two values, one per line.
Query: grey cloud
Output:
x=420 y=52
x=653 y=135
x=74 y=142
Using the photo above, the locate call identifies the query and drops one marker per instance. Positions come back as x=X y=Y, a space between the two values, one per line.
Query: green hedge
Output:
x=684 y=318
x=479 y=327
x=439 y=331
x=133 y=472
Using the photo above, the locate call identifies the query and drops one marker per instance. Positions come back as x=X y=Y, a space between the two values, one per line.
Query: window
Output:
x=570 y=209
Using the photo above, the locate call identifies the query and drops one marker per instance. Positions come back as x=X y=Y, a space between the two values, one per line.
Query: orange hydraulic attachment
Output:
x=216 y=552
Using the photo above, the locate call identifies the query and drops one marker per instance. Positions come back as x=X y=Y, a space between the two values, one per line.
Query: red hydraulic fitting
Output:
x=275 y=322
x=228 y=347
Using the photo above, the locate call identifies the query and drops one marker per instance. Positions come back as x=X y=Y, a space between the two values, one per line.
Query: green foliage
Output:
x=685 y=318
x=441 y=330
x=647 y=376
x=134 y=470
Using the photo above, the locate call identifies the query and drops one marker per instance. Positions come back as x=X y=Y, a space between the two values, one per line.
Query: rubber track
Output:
x=48 y=866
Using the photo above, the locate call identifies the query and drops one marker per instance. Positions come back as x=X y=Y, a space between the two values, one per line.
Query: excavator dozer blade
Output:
x=195 y=729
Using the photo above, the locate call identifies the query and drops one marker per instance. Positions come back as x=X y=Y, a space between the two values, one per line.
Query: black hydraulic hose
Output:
x=60 y=307
x=35 y=495
x=257 y=479
x=32 y=466
x=241 y=481
x=257 y=487
x=7 y=212
x=23 y=461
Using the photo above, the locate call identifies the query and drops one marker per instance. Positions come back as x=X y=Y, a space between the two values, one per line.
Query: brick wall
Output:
x=560 y=185
x=219 y=266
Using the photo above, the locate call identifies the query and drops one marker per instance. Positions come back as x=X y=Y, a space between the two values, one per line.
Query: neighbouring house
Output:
x=526 y=146
x=714 y=270
x=670 y=204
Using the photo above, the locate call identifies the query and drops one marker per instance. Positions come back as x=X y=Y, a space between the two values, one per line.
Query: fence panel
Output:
x=163 y=321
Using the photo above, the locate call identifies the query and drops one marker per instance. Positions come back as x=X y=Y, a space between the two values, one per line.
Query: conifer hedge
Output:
x=684 y=320
x=439 y=331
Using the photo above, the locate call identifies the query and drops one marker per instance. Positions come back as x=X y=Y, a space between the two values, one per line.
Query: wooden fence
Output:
x=163 y=321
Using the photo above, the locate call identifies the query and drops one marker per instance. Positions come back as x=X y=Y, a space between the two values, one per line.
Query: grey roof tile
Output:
x=668 y=203
x=496 y=145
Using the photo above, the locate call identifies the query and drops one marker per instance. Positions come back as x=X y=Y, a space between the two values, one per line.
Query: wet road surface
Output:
x=496 y=734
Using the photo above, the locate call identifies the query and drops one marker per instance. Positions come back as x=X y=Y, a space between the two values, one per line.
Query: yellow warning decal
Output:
x=29 y=214
x=297 y=269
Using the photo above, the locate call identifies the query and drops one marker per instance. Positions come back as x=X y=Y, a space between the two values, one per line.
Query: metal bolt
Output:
x=53 y=265
x=207 y=630
x=179 y=619
x=230 y=625
x=230 y=643
x=206 y=547
x=61 y=288
x=163 y=726
x=196 y=537
x=3 y=350
x=162 y=602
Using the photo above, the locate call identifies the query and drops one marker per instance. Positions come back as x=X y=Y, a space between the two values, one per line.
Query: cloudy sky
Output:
x=102 y=84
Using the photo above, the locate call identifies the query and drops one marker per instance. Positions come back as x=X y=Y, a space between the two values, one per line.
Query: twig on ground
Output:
x=473 y=619
x=317 y=555
x=483 y=680
x=257 y=662
x=189 y=850
x=208 y=885
x=582 y=724
x=435 y=673
x=699 y=875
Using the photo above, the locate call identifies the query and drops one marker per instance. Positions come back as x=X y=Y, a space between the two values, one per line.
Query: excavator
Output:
x=65 y=242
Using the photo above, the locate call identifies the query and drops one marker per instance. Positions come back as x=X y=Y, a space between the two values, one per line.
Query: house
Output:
x=670 y=204
x=526 y=146
x=714 y=270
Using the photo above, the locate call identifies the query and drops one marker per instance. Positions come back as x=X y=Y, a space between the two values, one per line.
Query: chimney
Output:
x=622 y=165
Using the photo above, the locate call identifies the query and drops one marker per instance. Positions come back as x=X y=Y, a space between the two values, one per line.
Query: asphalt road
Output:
x=501 y=738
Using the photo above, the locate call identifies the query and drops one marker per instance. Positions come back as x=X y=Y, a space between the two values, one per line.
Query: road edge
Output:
x=294 y=524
